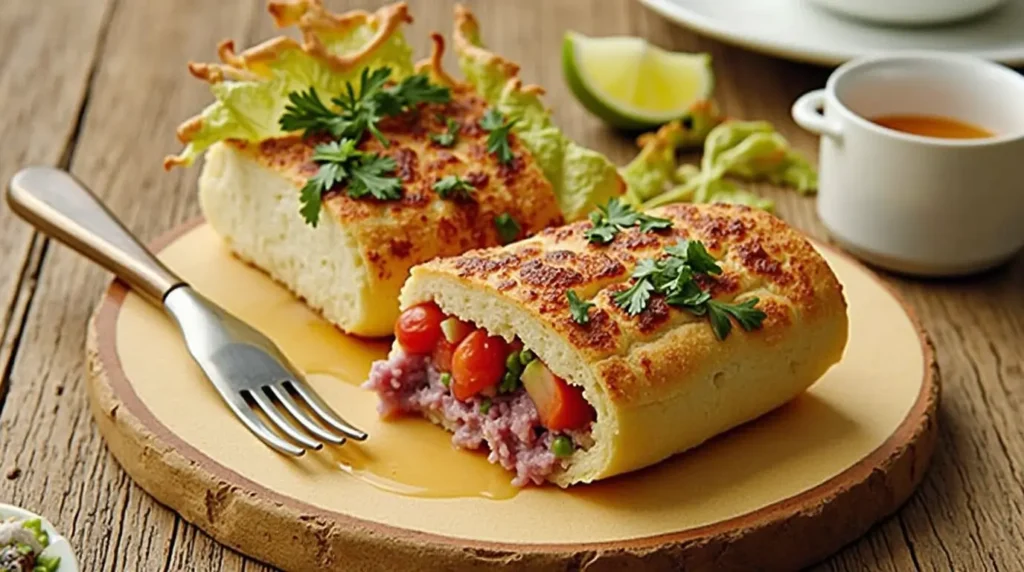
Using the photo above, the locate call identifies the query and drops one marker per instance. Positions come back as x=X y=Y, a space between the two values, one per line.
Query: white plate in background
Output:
x=59 y=546
x=799 y=30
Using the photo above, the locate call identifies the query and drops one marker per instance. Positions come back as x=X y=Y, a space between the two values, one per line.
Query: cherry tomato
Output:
x=565 y=408
x=419 y=327
x=478 y=363
x=442 y=355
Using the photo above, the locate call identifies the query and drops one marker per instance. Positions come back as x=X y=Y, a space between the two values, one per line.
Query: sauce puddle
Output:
x=406 y=456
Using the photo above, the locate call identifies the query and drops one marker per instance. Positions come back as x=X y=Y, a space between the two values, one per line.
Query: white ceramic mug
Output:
x=910 y=12
x=915 y=204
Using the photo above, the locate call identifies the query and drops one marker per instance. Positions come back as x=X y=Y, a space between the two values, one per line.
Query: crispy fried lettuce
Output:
x=251 y=88
x=733 y=150
x=581 y=178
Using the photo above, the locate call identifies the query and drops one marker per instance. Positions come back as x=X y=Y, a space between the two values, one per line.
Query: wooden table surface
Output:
x=98 y=87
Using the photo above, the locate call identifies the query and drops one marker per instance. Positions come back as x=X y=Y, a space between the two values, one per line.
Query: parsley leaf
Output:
x=508 y=228
x=417 y=89
x=617 y=216
x=579 y=309
x=340 y=162
x=368 y=178
x=358 y=113
x=453 y=186
x=498 y=138
x=634 y=300
x=448 y=138
x=306 y=112
x=745 y=313
x=675 y=278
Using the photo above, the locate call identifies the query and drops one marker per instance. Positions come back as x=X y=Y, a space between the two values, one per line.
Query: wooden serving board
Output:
x=779 y=493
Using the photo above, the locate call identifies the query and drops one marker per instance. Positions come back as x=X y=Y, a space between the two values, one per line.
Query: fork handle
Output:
x=62 y=207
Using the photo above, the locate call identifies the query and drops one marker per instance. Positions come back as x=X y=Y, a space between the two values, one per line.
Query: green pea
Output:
x=508 y=383
x=526 y=356
x=47 y=563
x=446 y=379
x=562 y=446
x=485 y=406
x=512 y=363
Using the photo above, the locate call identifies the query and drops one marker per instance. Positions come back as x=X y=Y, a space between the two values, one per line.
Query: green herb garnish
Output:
x=485 y=406
x=340 y=162
x=360 y=112
x=617 y=216
x=508 y=228
x=449 y=137
x=498 y=139
x=674 y=277
x=454 y=187
x=579 y=309
x=446 y=379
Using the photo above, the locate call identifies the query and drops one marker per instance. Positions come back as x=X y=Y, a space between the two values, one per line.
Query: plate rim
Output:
x=115 y=405
x=822 y=56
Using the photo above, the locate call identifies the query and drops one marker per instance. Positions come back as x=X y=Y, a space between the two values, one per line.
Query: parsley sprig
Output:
x=450 y=136
x=616 y=216
x=359 y=112
x=579 y=309
x=365 y=174
x=340 y=162
x=507 y=227
x=498 y=138
x=453 y=187
x=674 y=277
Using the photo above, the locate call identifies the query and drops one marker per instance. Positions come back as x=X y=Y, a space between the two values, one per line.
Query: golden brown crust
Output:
x=394 y=235
x=760 y=256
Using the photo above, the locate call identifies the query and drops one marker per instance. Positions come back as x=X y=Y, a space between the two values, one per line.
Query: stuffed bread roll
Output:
x=335 y=164
x=602 y=347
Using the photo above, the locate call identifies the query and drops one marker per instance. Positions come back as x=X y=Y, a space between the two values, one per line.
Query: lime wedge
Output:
x=632 y=84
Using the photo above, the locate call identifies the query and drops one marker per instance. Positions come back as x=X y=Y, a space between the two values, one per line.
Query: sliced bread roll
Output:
x=659 y=382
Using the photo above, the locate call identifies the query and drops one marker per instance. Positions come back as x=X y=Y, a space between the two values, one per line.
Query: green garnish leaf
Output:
x=454 y=187
x=446 y=379
x=616 y=216
x=448 y=138
x=745 y=313
x=497 y=139
x=417 y=89
x=635 y=299
x=508 y=228
x=695 y=255
x=485 y=405
x=307 y=113
x=368 y=177
x=675 y=278
x=579 y=309
x=340 y=162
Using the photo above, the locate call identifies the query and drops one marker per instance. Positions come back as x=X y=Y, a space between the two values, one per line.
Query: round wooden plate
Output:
x=779 y=493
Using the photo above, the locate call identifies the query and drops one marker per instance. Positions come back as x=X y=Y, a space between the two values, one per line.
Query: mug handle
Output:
x=807 y=112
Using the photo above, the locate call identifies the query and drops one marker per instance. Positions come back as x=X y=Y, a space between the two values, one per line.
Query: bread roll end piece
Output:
x=255 y=211
x=664 y=390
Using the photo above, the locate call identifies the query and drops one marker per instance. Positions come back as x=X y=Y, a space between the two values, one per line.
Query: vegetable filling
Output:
x=22 y=547
x=486 y=391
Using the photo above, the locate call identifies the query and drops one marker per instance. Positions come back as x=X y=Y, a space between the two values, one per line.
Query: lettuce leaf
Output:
x=744 y=150
x=251 y=89
x=581 y=178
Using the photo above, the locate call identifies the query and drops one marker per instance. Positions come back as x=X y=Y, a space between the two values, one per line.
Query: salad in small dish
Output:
x=29 y=543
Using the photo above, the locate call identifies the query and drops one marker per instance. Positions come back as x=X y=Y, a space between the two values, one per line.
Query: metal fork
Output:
x=246 y=368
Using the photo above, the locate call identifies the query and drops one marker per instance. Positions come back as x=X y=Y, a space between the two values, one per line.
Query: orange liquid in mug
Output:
x=932 y=126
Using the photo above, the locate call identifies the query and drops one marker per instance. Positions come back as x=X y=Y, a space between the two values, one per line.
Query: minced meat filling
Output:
x=507 y=423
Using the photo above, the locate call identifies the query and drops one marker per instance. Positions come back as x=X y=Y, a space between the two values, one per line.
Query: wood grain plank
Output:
x=137 y=98
x=42 y=86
